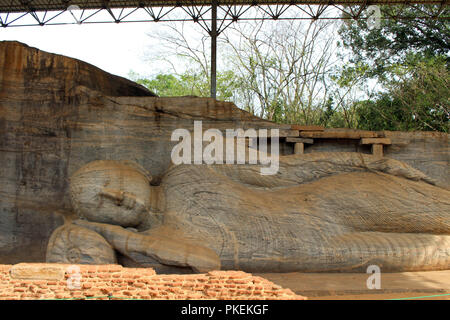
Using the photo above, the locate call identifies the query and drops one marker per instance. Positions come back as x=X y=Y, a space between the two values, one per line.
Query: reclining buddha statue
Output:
x=322 y=212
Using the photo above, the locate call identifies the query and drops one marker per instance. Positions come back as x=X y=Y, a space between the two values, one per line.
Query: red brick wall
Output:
x=51 y=281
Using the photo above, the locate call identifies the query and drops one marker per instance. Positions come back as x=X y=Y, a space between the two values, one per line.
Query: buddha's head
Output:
x=113 y=192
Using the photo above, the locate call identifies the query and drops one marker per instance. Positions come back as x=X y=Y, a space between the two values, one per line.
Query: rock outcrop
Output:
x=58 y=114
x=87 y=156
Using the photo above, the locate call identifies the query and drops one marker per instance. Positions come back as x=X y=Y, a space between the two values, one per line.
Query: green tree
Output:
x=165 y=85
x=419 y=100
x=189 y=83
x=408 y=59
x=395 y=39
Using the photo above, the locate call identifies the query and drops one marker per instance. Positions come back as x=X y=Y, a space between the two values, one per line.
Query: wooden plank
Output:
x=376 y=141
x=289 y=133
x=302 y=140
x=307 y=128
x=282 y=133
x=339 y=134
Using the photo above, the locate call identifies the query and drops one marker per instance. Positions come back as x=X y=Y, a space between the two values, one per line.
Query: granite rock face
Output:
x=39 y=97
x=58 y=114
x=424 y=150
x=87 y=156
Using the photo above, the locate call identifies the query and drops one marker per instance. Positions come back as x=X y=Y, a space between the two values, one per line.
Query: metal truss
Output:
x=202 y=14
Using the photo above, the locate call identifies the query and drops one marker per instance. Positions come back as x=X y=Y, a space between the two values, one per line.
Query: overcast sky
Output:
x=115 y=48
x=111 y=47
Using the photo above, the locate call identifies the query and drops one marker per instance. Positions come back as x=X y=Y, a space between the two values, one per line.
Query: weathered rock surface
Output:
x=37 y=271
x=35 y=73
x=427 y=151
x=58 y=114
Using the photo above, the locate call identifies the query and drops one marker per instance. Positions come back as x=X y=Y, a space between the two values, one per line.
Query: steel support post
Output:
x=213 y=48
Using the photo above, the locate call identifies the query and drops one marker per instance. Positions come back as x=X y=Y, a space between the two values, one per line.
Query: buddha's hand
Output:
x=122 y=198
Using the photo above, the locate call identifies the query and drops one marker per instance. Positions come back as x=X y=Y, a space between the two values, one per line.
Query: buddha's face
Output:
x=111 y=192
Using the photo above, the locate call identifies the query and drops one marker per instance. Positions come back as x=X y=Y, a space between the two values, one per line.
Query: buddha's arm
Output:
x=166 y=251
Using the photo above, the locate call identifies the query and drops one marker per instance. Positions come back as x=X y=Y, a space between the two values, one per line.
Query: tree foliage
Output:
x=420 y=100
x=395 y=39
x=189 y=83
x=395 y=77
x=409 y=60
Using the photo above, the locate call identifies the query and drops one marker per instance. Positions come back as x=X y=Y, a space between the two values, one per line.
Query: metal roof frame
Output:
x=56 y=5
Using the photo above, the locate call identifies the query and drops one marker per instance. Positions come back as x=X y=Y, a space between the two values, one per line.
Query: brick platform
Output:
x=59 y=281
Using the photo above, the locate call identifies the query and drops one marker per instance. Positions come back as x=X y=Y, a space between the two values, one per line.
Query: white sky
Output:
x=115 y=48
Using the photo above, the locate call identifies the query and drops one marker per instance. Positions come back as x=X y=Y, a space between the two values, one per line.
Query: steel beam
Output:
x=214 y=34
